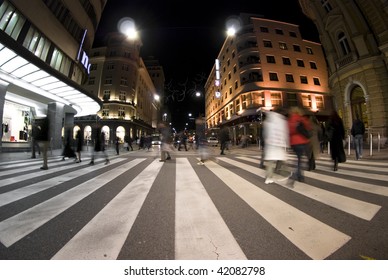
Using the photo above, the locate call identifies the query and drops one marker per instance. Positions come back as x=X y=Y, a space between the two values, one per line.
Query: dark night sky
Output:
x=186 y=36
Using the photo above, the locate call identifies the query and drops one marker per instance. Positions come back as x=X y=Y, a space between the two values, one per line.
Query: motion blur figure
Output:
x=299 y=142
x=335 y=132
x=275 y=132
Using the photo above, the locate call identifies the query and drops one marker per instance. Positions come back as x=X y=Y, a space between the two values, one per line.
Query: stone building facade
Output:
x=354 y=35
x=120 y=78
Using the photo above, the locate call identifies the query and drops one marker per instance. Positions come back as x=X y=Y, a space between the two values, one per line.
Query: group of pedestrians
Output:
x=305 y=136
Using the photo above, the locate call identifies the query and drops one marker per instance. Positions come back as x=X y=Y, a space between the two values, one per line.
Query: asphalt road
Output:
x=138 y=208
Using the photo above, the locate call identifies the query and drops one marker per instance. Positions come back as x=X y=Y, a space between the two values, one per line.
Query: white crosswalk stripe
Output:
x=18 y=226
x=352 y=206
x=117 y=218
x=200 y=230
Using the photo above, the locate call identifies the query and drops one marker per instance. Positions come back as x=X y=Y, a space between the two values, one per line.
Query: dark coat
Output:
x=335 y=132
x=358 y=128
x=224 y=135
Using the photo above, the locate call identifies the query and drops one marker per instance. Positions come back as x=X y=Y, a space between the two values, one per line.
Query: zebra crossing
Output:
x=220 y=210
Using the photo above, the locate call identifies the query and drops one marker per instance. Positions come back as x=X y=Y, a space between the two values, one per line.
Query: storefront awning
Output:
x=30 y=85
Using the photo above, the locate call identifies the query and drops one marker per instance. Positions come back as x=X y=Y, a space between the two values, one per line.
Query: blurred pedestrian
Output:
x=183 y=141
x=357 y=131
x=201 y=138
x=224 y=139
x=79 y=145
x=128 y=142
x=335 y=132
x=323 y=139
x=299 y=130
x=314 y=145
x=43 y=138
x=166 y=141
x=147 y=142
x=117 y=145
x=34 y=142
x=276 y=137
x=99 y=146
x=67 y=150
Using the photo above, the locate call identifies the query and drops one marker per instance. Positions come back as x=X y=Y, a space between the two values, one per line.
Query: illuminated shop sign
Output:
x=82 y=56
x=218 y=77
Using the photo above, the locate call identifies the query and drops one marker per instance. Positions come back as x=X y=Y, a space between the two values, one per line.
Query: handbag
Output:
x=341 y=156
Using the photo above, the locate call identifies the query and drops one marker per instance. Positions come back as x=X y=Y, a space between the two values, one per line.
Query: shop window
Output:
x=306 y=100
x=276 y=99
x=292 y=99
x=319 y=102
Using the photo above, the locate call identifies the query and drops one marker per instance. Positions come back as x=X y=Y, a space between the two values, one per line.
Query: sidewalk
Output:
x=376 y=155
x=10 y=156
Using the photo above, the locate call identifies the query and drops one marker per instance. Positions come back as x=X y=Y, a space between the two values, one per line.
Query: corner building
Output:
x=43 y=64
x=120 y=78
x=355 y=39
x=266 y=65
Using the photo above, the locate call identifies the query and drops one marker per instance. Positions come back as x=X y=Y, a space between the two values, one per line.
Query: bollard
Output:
x=378 y=142
x=328 y=147
x=371 y=145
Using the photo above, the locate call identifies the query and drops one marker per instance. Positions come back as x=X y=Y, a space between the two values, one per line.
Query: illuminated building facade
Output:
x=266 y=65
x=355 y=39
x=43 y=64
x=119 y=78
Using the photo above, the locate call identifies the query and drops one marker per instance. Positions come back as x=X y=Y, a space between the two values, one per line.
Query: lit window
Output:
x=276 y=99
x=282 y=46
x=306 y=100
x=319 y=102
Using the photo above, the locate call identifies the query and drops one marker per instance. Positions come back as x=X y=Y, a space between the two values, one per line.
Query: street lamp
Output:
x=127 y=27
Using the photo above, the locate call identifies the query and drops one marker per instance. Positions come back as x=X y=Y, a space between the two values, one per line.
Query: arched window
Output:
x=344 y=44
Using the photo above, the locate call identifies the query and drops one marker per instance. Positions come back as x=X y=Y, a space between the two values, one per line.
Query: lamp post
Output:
x=127 y=26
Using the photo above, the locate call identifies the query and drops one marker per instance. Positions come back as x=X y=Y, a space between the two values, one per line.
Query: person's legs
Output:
x=44 y=154
x=269 y=171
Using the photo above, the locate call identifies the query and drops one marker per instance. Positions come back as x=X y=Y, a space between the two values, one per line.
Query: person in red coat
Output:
x=299 y=128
